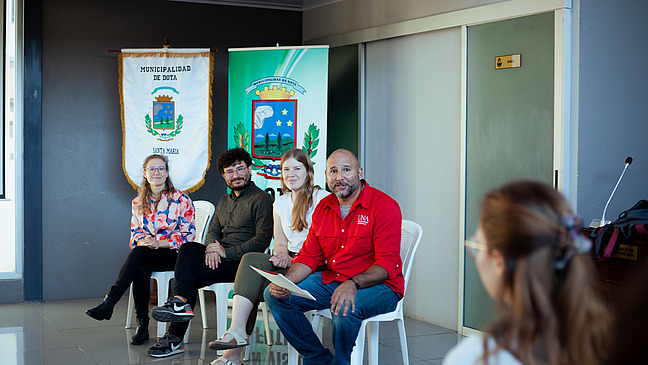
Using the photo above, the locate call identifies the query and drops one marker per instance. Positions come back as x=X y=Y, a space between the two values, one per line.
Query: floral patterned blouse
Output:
x=174 y=220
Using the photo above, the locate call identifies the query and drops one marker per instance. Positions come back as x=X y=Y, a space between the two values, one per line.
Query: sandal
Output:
x=221 y=360
x=236 y=342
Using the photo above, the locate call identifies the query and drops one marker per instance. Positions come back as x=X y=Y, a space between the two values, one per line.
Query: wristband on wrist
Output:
x=355 y=282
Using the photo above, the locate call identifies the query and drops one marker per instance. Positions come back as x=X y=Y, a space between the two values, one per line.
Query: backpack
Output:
x=633 y=220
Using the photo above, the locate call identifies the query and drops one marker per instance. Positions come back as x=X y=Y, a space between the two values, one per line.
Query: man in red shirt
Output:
x=356 y=233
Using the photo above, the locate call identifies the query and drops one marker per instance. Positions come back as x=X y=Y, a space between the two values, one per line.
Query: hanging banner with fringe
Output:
x=278 y=101
x=165 y=97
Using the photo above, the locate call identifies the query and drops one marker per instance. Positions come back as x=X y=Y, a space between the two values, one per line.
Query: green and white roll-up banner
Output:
x=278 y=101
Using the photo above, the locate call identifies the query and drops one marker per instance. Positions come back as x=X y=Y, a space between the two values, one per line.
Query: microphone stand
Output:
x=601 y=222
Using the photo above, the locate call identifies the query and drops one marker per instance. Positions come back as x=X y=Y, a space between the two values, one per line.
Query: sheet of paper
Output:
x=283 y=282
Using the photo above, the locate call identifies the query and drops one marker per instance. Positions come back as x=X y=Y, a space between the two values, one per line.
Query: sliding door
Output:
x=509 y=125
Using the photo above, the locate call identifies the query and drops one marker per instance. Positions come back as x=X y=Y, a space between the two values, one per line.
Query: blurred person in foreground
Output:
x=533 y=260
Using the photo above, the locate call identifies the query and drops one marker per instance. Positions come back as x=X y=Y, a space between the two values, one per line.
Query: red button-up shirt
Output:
x=369 y=235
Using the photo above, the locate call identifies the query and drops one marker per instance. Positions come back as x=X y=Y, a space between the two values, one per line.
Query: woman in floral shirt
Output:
x=158 y=229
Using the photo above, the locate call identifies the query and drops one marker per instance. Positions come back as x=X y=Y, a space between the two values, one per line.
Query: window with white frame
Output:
x=11 y=258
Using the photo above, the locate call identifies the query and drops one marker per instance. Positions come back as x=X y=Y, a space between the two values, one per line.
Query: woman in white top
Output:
x=293 y=212
x=533 y=260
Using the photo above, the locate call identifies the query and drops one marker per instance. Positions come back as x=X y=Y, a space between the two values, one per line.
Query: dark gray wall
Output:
x=613 y=105
x=86 y=198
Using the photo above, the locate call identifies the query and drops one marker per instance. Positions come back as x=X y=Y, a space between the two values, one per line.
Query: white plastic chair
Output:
x=411 y=233
x=204 y=215
x=204 y=212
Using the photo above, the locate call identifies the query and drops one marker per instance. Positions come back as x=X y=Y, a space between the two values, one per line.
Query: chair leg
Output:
x=204 y=345
x=186 y=337
x=358 y=350
x=403 y=340
x=373 y=331
x=131 y=308
x=293 y=355
x=266 y=322
x=221 y=311
x=315 y=320
x=163 y=290
x=246 y=354
x=203 y=312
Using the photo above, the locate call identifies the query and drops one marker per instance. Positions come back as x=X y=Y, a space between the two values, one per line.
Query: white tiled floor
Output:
x=60 y=333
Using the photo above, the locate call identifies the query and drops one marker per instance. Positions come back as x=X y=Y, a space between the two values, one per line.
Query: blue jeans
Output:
x=289 y=315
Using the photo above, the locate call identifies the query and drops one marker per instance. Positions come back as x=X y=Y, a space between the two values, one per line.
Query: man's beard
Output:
x=246 y=183
x=351 y=188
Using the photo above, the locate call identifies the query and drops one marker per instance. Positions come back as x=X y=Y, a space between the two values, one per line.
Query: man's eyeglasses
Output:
x=473 y=247
x=153 y=170
x=239 y=170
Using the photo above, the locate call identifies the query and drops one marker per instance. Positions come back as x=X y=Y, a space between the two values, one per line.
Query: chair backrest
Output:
x=411 y=233
x=204 y=214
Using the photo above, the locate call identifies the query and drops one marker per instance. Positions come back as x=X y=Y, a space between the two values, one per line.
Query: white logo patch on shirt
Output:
x=363 y=219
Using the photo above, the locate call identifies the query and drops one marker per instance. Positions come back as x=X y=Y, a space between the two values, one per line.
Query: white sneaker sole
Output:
x=166 y=316
x=178 y=351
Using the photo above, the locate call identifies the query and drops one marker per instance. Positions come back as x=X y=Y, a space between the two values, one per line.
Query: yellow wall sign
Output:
x=511 y=61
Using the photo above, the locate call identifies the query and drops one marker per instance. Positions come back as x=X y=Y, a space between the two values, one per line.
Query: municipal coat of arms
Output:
x=274 y=127
x=275 y=123
x=274 y=131
x=164 y=126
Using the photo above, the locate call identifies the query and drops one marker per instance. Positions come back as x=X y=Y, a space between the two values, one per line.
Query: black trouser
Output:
x=137 y=269
x=191 y=274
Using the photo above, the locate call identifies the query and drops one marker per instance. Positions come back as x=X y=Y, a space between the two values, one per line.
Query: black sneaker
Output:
x=167 y=345
x=174 y=310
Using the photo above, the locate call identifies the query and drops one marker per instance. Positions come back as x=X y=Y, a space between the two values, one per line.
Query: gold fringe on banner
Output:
x=121 y=105
x=165 y=54
x=209 y=151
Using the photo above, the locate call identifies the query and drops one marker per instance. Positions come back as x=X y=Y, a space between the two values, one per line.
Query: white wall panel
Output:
x=413 y=154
